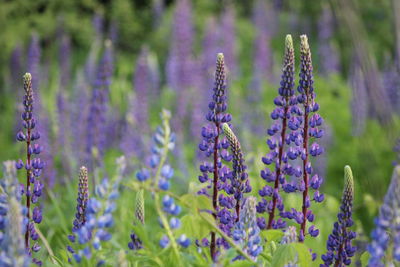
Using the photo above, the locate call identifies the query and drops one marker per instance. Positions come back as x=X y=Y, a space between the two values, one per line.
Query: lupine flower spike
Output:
x=33 y=167
x=280 y=135
x=239 y=182
x=339 y=245
x=310 y=130
x=246 y=231
x=99 y=218
x=82 y=200
x=136 y=243
x=12 y=220
x=387 y=222
x=216 y=148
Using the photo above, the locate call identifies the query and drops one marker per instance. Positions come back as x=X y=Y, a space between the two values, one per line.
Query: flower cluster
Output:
x=96 y=124
x=339 y=246
x=179 y=71
x=13 y=220
x=298 y=124
x=82 y=200
x=99 y=217
x=216 y=148
x=163 y=141
x=33 y=166
x=312 y=122
x=239 y=182
x=246 y=231
x=284 y=116
x=387 y=221
x=138 y=114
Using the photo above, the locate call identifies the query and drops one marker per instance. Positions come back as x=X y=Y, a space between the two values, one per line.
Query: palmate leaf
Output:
x=195 y=202
x=193 y=226
x=291 y=253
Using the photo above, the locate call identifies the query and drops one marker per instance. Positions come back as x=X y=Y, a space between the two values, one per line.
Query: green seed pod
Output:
x=139 y=210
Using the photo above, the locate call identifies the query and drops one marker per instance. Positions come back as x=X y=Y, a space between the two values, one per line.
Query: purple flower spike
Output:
x=96 y=124
x=339 y=246
x=310 y=131
x=216 y=148
x=282 y=132
x=33 y=165
x=387 y=226
x=239 y=182
x=82 y=200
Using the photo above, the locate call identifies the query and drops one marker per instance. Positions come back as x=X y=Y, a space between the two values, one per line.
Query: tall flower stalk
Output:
x=339 y=246
x=284 y=115
x=82 y=199
x=33 y=166
x=246 y=232
x=387 y=226
x=310 y=131
x=97 y=117
x=12 y=221
x=214 y=147
x=239 y=182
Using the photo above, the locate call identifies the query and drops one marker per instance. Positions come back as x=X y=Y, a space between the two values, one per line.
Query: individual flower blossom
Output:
x=33 y=166
x=339 y=244
x=12 y=220
x=97 y=117
x=215 y=147
x=387 y=225
x=99 y=218
x=282 y=133
x=246 y=231
x=136 y=243
x=310 y=131
x=240 y=183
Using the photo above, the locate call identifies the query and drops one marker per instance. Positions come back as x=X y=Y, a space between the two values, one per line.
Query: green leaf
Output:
x=194 y=227
x=283 y=255
x=195 y=202
x=304 y=255
x=364 y=258
x=272 y=235
x=292 y=253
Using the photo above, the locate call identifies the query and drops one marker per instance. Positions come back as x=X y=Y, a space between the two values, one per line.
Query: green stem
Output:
x=46 y=245
x=167 y=136
x=226 y=237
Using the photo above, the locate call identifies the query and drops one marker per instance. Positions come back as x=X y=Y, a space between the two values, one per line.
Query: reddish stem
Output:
x=215 y=190
x=278 y=171
x=305 y=174
x=28 y=183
